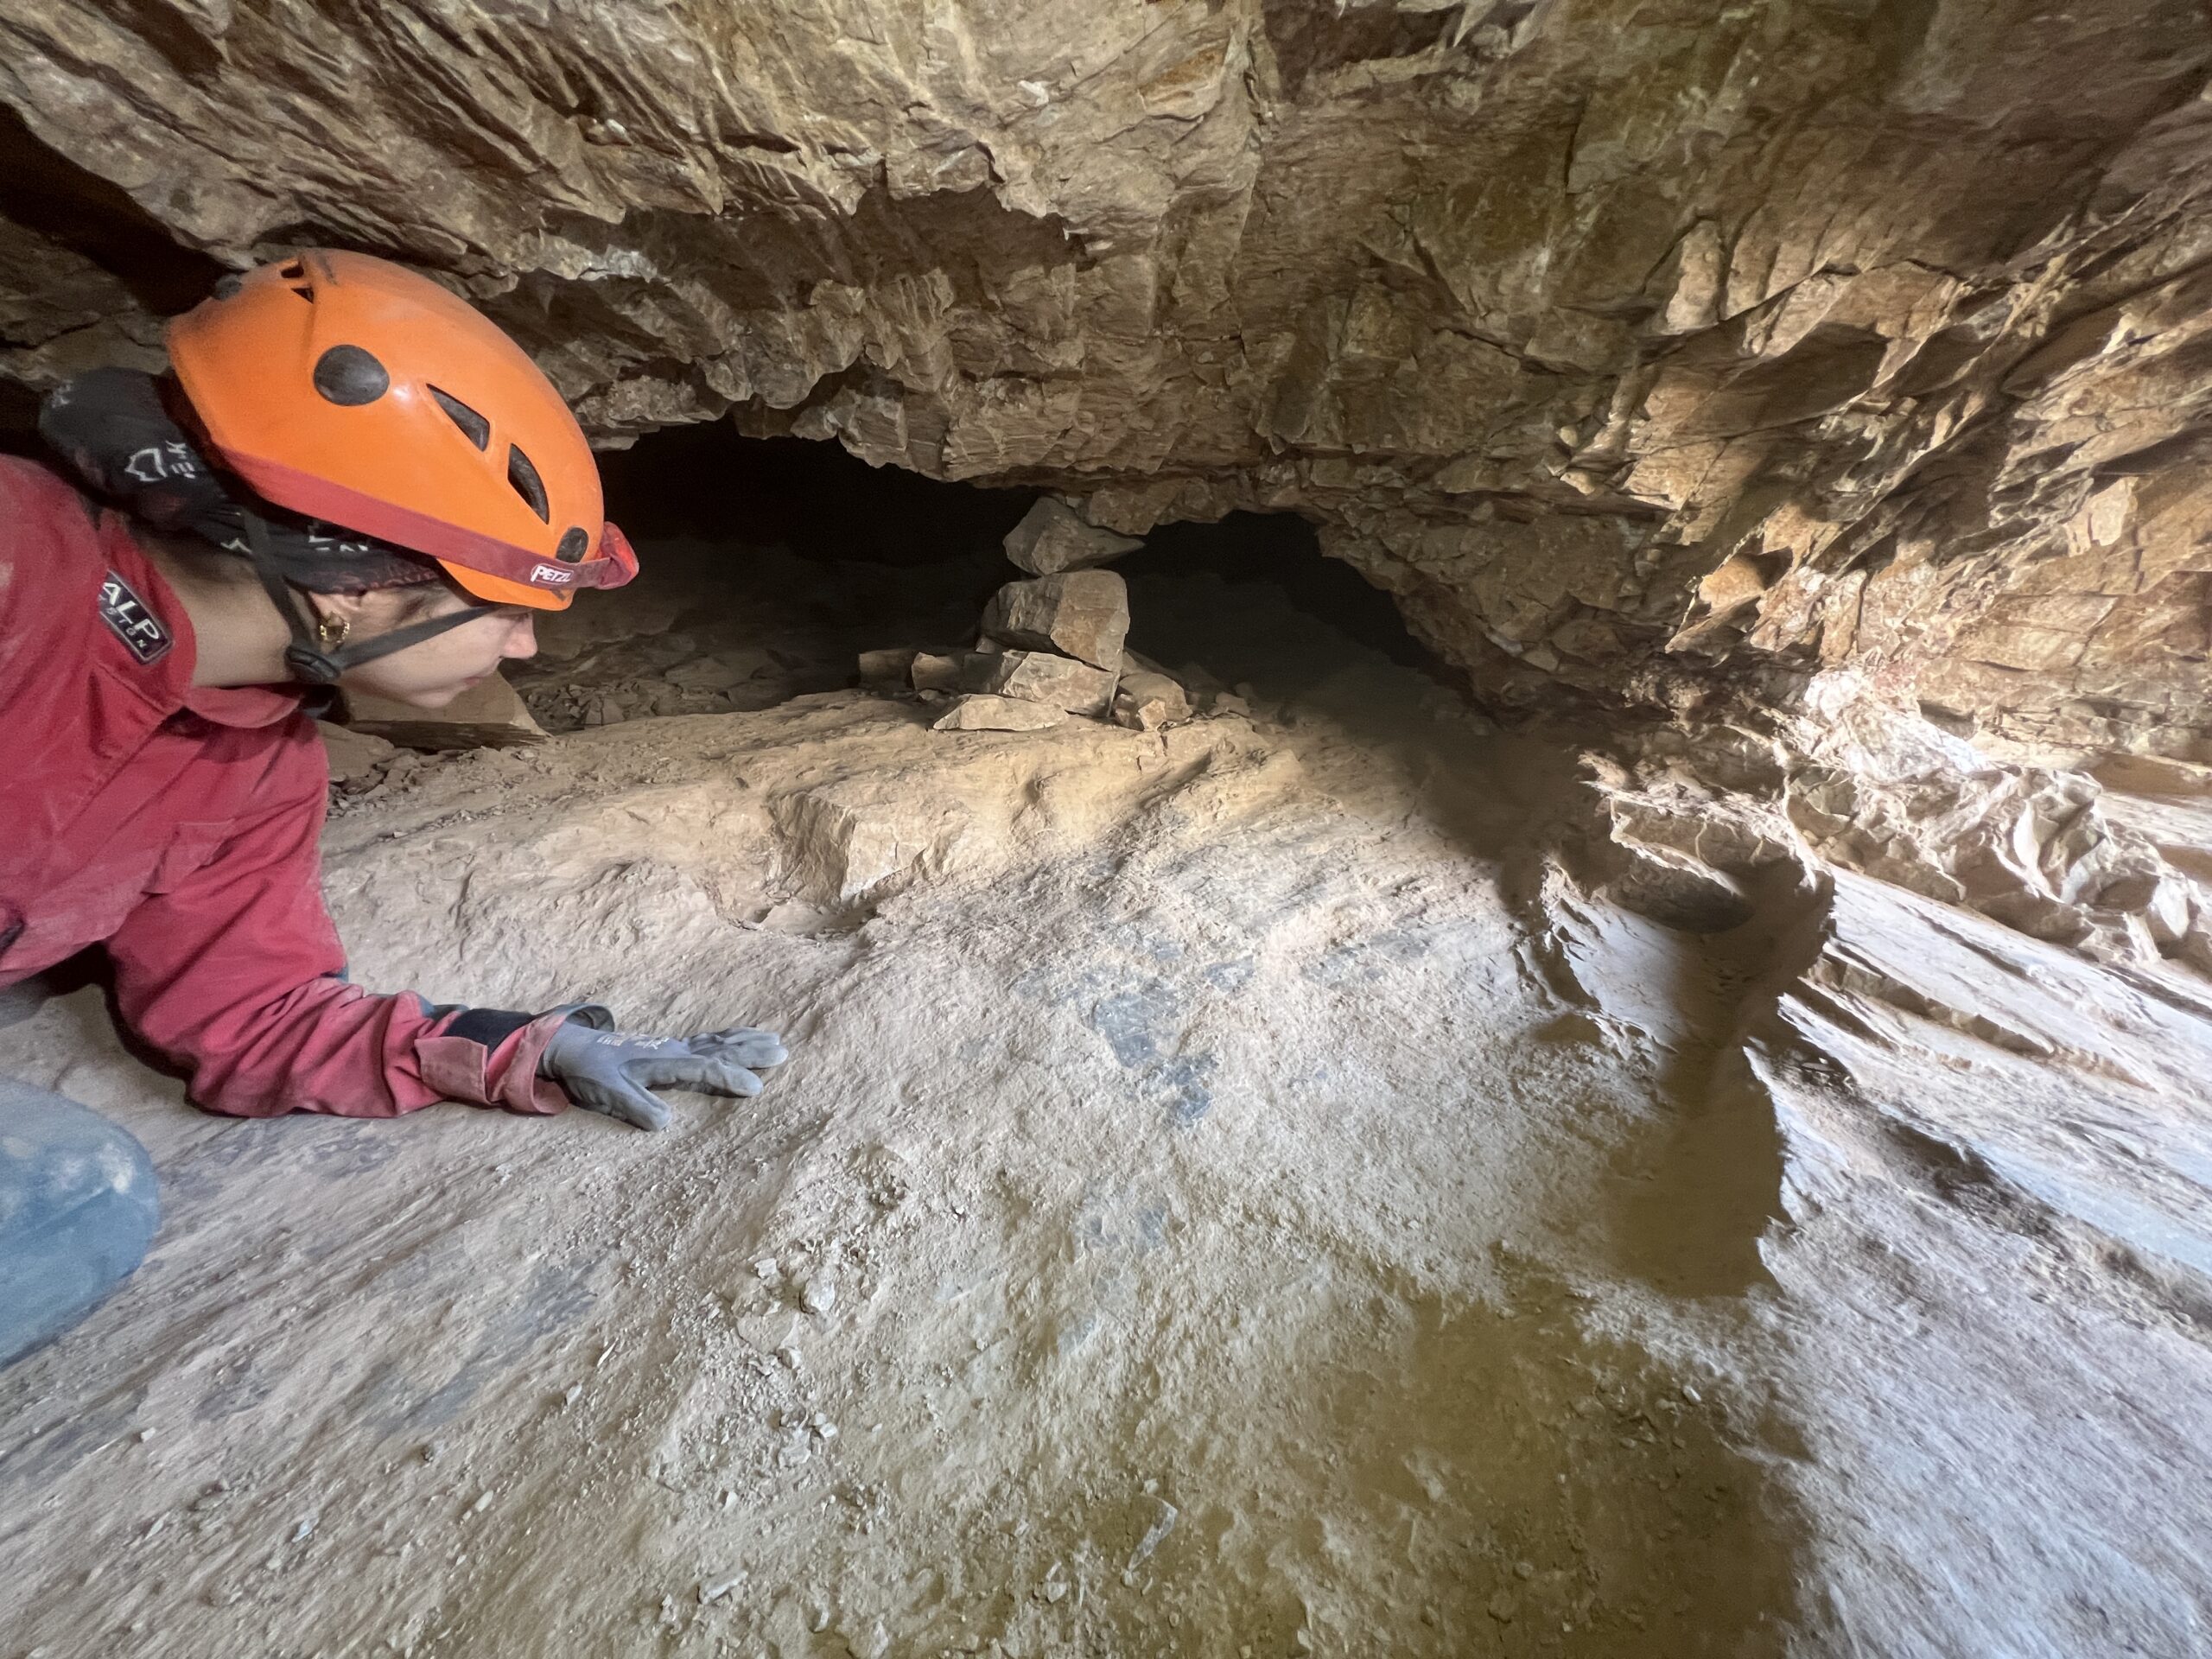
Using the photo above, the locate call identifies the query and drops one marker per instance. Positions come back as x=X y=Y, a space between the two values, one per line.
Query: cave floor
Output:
x=1251 y=1201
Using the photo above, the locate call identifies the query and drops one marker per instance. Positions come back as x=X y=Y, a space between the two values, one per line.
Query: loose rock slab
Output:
x=930 y=673
x=988 y=714
x=352 y=754
x=885 y=667
x=1040 y=676
x=1054 y=538
x=1148 y=701
x=490 y=715
x=1083 y=615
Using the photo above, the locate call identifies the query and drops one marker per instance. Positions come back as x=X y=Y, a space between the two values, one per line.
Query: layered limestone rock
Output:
x=983 y=713
x=1083 y=615
x=1054 y=538
x=1145 y=701
x=1665 y=350
x=1041 y=677
x=488 y=715
x=1698 y=825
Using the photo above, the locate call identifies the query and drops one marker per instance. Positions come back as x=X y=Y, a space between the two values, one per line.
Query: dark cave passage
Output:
x=805 y=549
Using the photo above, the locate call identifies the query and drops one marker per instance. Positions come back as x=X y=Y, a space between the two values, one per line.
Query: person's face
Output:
x=432 y=673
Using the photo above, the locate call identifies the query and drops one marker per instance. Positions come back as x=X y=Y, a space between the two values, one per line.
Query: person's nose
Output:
x=522 y=642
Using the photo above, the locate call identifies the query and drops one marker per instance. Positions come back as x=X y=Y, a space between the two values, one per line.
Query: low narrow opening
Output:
x=1269 y=550
x=769 y=565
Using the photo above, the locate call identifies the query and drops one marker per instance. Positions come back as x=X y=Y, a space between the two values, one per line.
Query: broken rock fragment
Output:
x=983 y=713
x=1040 y=676
x=1053 y=537
x=490 y=715
x=722 y=670
x=887 y=667
x=354 y=754
x=930 y=673
x=1148 y=701
x=1083 y=615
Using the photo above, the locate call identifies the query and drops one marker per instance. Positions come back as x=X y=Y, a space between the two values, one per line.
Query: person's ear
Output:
x=351 y=609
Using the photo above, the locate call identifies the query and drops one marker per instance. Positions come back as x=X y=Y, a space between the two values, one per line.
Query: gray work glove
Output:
x=606 y=1070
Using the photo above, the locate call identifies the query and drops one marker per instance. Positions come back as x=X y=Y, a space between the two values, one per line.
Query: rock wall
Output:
x=1677 y=349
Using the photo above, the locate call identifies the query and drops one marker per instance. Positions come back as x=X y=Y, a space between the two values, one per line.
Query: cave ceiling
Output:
x=1684 y=351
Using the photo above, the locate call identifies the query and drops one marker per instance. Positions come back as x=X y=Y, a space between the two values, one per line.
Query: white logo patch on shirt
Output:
x=129 y=619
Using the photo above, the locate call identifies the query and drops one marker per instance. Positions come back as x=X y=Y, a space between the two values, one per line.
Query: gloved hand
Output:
x=602 y=1070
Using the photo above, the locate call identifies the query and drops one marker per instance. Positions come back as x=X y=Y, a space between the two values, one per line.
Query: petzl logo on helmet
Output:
x=551 y=575
x=127 y=617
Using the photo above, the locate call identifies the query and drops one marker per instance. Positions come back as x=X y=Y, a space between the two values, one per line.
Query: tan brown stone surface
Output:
x=1041 y=677
x=1638 y=346
x=488 y=715
x=1052 y=538
x=1083 y=615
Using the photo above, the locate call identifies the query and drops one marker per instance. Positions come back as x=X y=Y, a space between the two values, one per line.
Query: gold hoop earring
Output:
x=330 y=631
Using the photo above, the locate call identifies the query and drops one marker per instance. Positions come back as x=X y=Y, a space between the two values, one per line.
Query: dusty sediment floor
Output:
x=1233 y=1193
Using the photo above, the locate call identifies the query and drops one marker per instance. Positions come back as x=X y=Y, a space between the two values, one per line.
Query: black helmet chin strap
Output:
x=306 y=657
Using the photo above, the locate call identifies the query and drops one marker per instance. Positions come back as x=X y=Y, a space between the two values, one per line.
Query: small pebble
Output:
x=820 y=1294
x=1525 y=1570
x=764 y=1268
x=572 y=1394
x=721 y=1588
x=481 y=1504
x=1692 y=1394
x=790 y=1356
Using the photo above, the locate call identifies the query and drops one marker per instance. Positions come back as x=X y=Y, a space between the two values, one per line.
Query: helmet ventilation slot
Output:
x=478 y=429
x=528 y=484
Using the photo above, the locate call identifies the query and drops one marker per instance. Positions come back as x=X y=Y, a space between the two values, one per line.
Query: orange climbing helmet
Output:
x=354 y=390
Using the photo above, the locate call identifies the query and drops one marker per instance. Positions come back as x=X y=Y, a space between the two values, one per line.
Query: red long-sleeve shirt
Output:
x=177 y=826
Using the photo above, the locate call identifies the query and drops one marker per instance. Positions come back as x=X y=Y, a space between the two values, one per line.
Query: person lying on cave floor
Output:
x=349 y=478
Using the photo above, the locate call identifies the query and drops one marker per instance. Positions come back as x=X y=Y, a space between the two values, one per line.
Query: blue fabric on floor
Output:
x=77 y=1208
